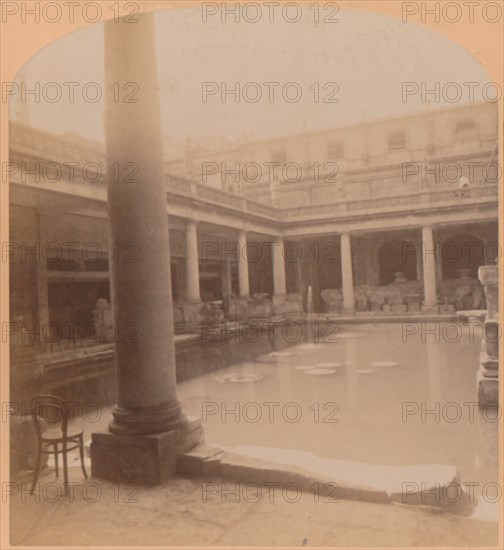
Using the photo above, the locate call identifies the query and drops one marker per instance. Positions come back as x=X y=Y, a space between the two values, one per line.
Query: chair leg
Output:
x=81 y=450
x=56 y=466
x=37 y=467
x=65 y=467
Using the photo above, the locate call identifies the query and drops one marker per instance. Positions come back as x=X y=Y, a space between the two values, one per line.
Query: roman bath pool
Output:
x=379 y=394
x=383 y=394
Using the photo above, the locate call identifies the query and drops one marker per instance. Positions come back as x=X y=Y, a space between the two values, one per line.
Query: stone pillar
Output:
x=226 y=279
x=347 y=273
x=42 y=284
x=148 y=429
x=299 y=273
x=239 y=306
x=489 y=278
x=429 y=270
x=192 y=263
x=243 y=268
x=279 y=284
x=488 y=372
x=192 y=306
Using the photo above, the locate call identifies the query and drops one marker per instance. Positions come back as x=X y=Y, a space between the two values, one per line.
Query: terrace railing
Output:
x=403 y=202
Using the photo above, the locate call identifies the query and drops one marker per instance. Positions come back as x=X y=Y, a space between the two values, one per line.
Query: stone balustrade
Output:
x=28 y=143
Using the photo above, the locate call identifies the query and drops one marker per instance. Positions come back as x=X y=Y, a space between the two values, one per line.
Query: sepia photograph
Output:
x=250 y=274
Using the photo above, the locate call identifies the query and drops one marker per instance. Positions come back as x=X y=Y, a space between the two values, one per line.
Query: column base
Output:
x=488 y=389
x=193 y=314
x=279 y=303
x=239 y=307
x=430 y=308
x=348 y=311
x=142 y=459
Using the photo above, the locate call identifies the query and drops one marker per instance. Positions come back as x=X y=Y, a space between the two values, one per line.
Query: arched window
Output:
x=395 y=256
x=461 y=256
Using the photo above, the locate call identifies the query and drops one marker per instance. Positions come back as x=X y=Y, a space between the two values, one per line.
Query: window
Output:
x=465 y=129
x=335 y=150
x=396 y=141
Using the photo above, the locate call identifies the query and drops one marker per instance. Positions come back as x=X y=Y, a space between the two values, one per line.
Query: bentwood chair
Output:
x=58 y=440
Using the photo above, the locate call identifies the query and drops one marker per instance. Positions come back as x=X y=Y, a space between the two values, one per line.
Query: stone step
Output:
x=435 y=485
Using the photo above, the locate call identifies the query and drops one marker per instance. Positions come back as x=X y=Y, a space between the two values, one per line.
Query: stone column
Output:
x=299 y=273
x=148 y=429
x=347 y=273
x=279 y=285
x=192 y=263
x=42 y=283
x=226 y=279
x=243 y=268
x=192 y=306
x=239 y=306
x=429 y=269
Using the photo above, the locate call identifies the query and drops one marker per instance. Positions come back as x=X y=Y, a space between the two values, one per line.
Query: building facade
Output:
x=389 y=217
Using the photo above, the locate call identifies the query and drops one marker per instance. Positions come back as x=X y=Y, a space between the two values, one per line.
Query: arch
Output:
x=392 y=259
x=461 y=255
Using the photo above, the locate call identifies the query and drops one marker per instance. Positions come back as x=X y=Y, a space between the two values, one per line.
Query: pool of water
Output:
x=369 y=402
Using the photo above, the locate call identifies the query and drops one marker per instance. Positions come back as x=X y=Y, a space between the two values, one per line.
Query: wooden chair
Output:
x=58 y=440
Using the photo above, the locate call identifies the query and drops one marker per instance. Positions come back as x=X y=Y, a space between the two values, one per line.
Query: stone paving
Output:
x=213 y=512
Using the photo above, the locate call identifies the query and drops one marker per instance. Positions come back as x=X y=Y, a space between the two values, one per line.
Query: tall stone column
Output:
x=192 y=263
x=279 y=284
x=226 y=279
x=239 y=306
x=298 y=270
x=243 y=268
x=192 y=307
x=42 y=283
x=347 y=273
x=148 y=429
x=429 y=269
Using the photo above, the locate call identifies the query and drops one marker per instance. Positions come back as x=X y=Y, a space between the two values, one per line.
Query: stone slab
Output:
x=202 y=461
x=246 y=469
x=426 y=484
x=429 y=309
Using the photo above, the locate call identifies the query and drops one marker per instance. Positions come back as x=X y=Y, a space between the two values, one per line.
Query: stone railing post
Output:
x=488 y=373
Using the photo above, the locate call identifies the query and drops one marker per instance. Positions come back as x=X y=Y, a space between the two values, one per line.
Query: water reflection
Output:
x=352 y=416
